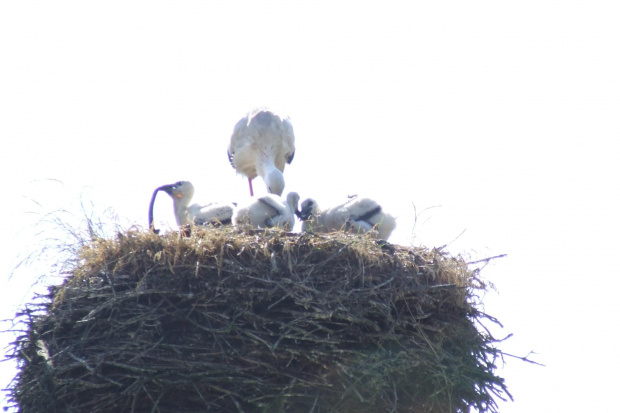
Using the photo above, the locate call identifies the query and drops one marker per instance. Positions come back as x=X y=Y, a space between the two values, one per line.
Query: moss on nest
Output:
x=257 y=321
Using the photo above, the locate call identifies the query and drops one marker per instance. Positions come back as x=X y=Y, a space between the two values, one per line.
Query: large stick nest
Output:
x=231 y=321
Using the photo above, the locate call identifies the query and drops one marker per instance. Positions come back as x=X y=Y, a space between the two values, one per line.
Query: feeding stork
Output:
x=262 y=143
x=357 y=214
x=269 y=211
x=181 y=193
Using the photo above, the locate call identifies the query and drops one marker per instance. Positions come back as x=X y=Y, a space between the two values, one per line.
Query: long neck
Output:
x=181 y=212
x=292 y=203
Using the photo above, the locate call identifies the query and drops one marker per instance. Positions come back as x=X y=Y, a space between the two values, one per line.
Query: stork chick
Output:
x=182 y=193
x=269 y=211
x=357 y=214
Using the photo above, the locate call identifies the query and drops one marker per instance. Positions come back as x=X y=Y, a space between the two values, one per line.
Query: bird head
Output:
x=275 y=182
x=181 y=191
x=309 y=209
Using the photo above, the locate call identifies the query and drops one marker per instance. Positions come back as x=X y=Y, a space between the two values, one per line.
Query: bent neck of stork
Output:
x=292 y=201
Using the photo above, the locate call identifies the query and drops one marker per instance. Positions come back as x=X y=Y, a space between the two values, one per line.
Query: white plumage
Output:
x=182 y=193
x=262 y=143
x=269 y=211
x=357 y=214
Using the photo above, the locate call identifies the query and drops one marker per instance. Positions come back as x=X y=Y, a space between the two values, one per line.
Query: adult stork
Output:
x=358 y=214
x=262 y=143
x=269 y=211
x=182 y=193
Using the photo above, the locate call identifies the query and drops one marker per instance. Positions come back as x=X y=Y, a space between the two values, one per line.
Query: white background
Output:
x=497 y=120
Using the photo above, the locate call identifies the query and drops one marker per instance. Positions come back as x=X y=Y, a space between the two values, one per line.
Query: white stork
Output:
x=181 y=193
x=357 y=214
x=262 y=143
x=269 y=211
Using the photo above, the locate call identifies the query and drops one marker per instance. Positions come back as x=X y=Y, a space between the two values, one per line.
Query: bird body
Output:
x=358 y=214
x=213 y=213
x=262 y=143
x=182 y=193
x=269 y=211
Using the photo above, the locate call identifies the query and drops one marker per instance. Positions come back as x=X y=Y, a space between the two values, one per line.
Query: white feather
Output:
x=182 y=193
x=269 y=211
x=262 y=143
x=357 y=214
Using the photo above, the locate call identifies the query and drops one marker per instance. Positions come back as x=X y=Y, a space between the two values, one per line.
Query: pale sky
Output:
x=499 y=119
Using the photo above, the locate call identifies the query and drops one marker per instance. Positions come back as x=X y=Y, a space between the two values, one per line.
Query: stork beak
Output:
x=298 y=213
x=303 y=215
x=166 y=188
x=151 y=205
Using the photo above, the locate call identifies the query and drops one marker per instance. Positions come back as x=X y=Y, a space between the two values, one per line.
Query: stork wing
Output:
x=278 y=207
x=214 y=214
x=368 y=214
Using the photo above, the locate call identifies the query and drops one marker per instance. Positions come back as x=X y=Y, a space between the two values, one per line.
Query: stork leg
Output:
x=251 y=190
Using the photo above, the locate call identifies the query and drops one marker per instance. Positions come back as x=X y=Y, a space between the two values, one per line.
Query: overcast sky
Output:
x=497 y=122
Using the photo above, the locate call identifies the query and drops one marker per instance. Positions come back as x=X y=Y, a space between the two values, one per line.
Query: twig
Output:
x=486 y=260
x=524 y=358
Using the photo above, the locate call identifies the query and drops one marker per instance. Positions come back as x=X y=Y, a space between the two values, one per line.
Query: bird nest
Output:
x=257 y=321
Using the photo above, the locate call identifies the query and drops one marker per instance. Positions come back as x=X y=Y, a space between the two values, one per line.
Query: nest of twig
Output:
x=266 y=321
